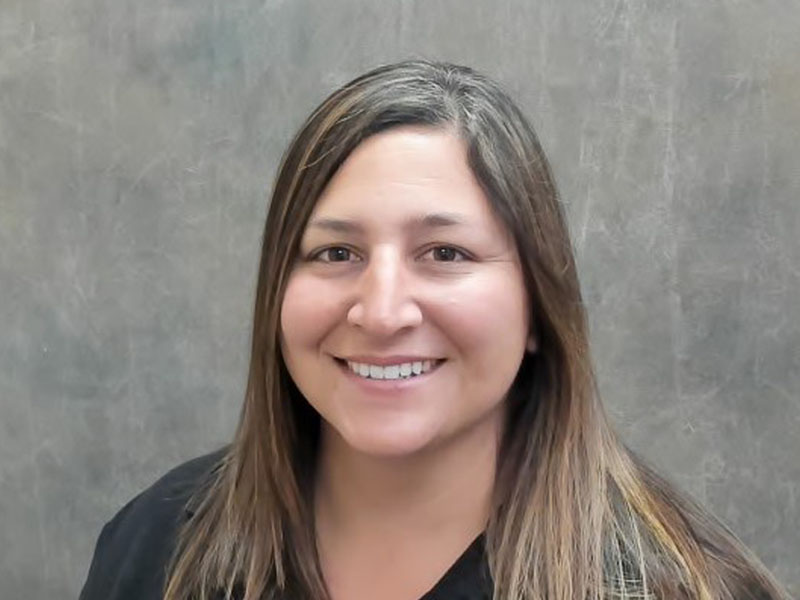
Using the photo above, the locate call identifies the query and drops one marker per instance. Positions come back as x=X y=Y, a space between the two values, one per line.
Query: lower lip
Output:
x=387 y=386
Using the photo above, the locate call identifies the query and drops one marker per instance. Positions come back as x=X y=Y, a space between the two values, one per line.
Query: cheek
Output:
x=308 y=311
x=483 y=312
x=487 y=321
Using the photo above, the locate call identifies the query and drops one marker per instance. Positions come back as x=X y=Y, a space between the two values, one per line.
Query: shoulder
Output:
x=134 y=547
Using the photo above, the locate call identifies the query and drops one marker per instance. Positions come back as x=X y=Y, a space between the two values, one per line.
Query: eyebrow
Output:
x=429 y=221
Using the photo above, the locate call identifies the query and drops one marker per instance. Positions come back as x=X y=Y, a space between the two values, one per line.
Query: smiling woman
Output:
x=421 y=418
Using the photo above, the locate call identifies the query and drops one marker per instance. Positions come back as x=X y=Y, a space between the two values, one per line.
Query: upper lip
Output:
x=387 y=360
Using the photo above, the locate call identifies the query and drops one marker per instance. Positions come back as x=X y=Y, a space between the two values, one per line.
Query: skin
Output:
x=405 y=478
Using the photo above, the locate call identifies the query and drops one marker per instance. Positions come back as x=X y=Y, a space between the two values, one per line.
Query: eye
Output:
x=332 y=254
x=447 y=254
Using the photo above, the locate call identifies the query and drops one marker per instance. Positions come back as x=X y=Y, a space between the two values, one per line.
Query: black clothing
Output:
x=133 y=549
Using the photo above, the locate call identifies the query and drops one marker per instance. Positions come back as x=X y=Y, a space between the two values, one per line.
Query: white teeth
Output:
x=400 y=371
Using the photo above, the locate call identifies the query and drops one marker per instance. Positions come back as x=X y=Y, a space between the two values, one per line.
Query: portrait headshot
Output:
x=400 y=300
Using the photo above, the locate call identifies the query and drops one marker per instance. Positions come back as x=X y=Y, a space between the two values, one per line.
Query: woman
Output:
x=421 y=417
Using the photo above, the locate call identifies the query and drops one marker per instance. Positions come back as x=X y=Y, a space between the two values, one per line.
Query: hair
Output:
x=575 y=513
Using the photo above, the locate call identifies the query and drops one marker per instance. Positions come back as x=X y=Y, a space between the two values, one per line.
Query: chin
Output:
x=388 y=442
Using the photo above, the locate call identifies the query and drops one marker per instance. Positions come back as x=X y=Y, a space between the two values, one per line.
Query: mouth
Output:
x=400 y=372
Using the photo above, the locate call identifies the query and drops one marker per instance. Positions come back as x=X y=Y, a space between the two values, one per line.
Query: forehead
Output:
x=404 y=175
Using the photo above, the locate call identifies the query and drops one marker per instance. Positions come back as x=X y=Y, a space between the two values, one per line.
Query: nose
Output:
x=384 y=302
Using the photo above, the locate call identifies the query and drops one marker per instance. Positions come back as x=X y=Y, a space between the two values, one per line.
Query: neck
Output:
x=444 y=491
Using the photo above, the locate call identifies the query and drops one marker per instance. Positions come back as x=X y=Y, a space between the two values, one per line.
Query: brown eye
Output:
x=333 y=254
x=447 y=254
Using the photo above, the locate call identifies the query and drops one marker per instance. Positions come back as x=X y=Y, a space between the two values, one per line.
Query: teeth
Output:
x=401 y=371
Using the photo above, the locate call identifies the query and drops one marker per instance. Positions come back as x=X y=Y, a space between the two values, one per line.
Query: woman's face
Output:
x=405 y=318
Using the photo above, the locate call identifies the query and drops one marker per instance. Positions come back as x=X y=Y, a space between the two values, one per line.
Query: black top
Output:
x=133 y=549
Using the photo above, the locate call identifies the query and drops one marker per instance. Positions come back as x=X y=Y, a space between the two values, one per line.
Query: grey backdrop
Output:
x=138 y=141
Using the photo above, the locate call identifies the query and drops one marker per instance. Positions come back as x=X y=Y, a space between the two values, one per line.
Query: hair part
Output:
x=575 y=514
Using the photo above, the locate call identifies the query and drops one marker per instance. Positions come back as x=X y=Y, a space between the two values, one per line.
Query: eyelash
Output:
x=315 y=256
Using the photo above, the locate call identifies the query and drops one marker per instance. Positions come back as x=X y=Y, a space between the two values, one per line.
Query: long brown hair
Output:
x=576 y=514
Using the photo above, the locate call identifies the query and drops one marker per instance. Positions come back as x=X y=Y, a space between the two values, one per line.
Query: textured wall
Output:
x=138 y=139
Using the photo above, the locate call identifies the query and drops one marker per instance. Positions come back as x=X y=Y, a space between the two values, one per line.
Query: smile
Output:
x=400 y=371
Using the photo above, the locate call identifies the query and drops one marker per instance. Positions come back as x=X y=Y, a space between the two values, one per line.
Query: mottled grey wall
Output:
x=138 y=139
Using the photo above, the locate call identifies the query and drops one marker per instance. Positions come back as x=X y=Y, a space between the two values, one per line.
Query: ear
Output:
x=531 y=345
